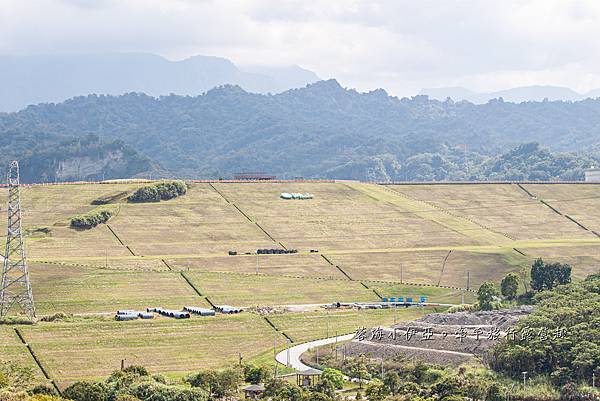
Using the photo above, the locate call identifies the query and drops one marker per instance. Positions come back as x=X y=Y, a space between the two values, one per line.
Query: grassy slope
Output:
x=366 y=230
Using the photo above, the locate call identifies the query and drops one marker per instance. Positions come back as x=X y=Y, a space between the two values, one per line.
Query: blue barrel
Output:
x=385 y=299
x=400 y=299
x=422 y=299
x=392 y=299
x=409 y=300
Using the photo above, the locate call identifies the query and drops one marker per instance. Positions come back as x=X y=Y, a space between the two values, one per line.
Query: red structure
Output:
x=253 y=177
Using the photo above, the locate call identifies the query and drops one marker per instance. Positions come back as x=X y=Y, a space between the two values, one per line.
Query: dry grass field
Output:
x=83 y=290
x=502 y=208
x=260 y=290
x=431 y=267
x=163 y=254
x=298 y=265
x=14 y=350
x=577 y=201
x=338 y=218
x=94 y=348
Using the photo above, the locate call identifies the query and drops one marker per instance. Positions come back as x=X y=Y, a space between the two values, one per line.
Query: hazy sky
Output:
x=401 y=46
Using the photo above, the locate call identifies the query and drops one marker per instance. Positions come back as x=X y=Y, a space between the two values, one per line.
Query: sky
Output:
x=401 y=46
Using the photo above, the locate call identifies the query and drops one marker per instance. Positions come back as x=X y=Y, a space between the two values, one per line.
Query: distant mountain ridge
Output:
x=535 y=93
x=321 y=131
x=42 y=79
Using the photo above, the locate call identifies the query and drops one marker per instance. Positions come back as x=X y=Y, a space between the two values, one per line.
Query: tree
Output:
x=334 y=376
x=486 y=294
x=255 y=374
x=282 y=390
x=376 y=391
x=392 y=381
x=510 y=285
x=358 y=369
x=217 y=383
x=546 y=276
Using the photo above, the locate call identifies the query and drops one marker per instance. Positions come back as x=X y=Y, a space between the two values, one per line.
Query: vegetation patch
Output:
x=38 y=232
x=157 y=192
x=92 y=219
x=110 y=198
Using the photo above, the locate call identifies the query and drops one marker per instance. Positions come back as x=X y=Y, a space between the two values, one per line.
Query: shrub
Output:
x=510 y=285
x=148 y=391
x=56 y=317
x=157 y=192
x=462 y=308
x=255 y=375
x=486 y=294
x=86 y=391
x=43 y=389
x=92 y=219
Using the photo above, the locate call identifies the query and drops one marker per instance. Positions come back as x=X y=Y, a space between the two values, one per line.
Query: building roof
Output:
x=254 y=387
x=309 y=372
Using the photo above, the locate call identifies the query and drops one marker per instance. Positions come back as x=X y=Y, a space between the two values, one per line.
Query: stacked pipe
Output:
x=275 y=251
x=226 y=309
x=199 y=311
x=170 y=313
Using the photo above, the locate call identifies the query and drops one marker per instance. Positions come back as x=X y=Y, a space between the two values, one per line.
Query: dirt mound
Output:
x=497 y=318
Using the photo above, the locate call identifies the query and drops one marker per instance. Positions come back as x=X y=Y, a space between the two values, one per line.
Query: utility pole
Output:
x=15 y=286
x=401 y=274
x=524 y=379
x=468 y=280
x=594 y=379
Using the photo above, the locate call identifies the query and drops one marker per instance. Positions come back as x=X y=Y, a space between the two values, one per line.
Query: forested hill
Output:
x=324 y=130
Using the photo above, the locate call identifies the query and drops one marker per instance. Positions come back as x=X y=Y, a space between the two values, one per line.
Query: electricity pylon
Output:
x=16 y=287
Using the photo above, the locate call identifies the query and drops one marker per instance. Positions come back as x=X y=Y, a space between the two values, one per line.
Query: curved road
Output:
x=291 y=356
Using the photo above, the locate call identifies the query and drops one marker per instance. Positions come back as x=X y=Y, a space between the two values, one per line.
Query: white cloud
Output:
x=400 y=45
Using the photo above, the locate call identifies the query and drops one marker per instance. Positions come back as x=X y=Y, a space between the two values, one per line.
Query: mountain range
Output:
x=319 y=131
x=535 y=93
x=27 y=80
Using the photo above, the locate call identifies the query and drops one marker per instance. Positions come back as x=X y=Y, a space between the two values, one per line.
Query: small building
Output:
x=308 y=378
x=253 y=391
x=253 y=177
x=592 y=175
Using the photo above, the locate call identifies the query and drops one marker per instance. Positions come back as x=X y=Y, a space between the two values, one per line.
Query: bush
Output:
x=148 y=391
x=93 y=218
x=43 y=389
x=462 y=308
x=56 y=317
x=255 y=375
x=86 y=391
x=157 y=192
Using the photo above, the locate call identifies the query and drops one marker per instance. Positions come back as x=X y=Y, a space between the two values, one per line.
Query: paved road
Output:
x=291 y=356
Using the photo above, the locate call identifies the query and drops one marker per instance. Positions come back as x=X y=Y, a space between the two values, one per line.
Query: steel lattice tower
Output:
x=16 y=287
